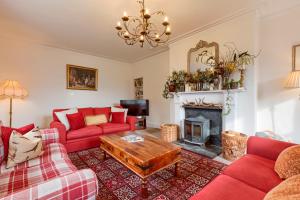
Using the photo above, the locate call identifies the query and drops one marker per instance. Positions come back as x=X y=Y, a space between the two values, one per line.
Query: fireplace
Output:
x=196 y=130
x=203 y=126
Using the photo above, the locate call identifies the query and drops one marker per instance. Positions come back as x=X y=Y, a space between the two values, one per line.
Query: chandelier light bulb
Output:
x=168 y=30
x=142 y=38
x=126 y=35
x=157 y=37
x=147 y=14
x=166 y=21
x=119 y=27
x=125 y=16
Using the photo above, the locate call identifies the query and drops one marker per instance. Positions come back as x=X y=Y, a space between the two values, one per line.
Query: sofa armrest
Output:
x=61 y=131
x=1 y=150
x=78 y=185
x=265 y=147
x=49 y=136
x=131 y=120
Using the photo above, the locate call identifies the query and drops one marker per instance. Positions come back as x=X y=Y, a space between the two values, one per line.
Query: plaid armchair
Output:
x=50 y=176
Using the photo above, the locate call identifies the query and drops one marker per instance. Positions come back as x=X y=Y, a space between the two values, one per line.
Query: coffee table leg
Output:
x=176 y=169
x=144 y=188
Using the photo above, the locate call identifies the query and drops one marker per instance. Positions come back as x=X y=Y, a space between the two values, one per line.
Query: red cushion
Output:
x=226 y=188
x=255 y=171
x=117 y=117
x=86 y=111
x=85 y=132
x=106 y=111
x=113 y=127
x=76 y=121
x=6 y=132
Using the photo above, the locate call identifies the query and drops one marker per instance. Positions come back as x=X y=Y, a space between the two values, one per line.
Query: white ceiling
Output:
x=88 y=26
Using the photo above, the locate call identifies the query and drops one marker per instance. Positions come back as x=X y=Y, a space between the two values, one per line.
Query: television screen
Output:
x=136 y=107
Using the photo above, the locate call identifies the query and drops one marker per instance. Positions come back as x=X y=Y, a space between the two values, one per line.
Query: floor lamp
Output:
x=12 y=89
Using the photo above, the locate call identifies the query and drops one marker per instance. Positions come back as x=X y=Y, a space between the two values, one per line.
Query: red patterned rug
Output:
x=118 y=182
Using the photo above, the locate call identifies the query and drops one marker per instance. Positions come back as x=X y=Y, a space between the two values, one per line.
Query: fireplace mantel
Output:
x=210 y=91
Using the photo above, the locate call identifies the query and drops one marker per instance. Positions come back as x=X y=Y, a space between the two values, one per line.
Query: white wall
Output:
x=42 y=70
x=241 y=31
x=154 y=71
x=278 y=108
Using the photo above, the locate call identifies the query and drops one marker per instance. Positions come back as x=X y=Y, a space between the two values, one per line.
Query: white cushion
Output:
x=125 y=110
x=24 y=147
x=62 y=116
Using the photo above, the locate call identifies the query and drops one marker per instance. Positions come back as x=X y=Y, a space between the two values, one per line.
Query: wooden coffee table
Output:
x=143 y=158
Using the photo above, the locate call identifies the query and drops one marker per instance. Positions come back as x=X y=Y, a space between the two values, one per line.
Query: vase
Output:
x=242 y=78
x=234 y=85
x=172 y=88
x=206 y=86
x=226 y=83
x=216 y=84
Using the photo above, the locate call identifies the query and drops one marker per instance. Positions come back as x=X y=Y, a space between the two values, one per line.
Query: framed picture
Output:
x=82 y=78
x=296 y=57
x=138 y=85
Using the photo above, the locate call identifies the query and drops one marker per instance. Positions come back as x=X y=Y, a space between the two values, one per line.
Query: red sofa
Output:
x=250 y=177
x=88 y=137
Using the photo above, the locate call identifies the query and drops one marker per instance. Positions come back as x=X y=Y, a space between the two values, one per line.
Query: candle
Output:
x=157 y=36
x=146 y=12
x=119 y=24
x=125 y=14
x=166 y=19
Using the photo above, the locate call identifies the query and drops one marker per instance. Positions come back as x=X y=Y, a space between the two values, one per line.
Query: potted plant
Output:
x=175 y=83
x=234 y=84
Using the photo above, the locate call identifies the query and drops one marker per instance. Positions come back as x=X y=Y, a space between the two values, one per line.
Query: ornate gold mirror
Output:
x=204 y=55
x=296 y=57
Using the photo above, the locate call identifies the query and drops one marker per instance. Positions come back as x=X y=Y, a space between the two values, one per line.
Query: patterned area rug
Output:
x=118 y=182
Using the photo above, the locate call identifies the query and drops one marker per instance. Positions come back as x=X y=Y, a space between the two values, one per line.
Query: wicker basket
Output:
x=169 y=132
x=234 y=145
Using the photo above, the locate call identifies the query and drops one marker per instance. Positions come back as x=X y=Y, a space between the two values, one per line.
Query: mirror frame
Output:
x=202 y=44
x=294 y=57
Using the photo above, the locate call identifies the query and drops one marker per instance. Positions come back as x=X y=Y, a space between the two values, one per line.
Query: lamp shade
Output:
x=293 y=80
x=12 y=89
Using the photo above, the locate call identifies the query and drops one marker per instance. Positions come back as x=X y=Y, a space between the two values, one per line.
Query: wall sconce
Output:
x=293 y=80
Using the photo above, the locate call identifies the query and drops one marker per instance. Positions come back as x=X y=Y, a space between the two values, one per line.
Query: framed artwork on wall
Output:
x=296 y=57
x=82 y=78
x=138 y=85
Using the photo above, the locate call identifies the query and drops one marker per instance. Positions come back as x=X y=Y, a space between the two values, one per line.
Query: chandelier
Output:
x=140 y=29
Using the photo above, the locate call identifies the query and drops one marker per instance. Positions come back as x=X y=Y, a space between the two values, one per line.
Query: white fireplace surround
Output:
x=230 y=121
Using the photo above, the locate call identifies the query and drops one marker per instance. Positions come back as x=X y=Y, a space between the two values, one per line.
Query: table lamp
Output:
x=12 y=89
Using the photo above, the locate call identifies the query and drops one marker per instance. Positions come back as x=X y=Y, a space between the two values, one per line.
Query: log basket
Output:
x=234 y=145
x=169 y=132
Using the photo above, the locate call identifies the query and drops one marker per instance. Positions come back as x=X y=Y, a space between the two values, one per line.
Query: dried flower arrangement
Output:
x=217 y=76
